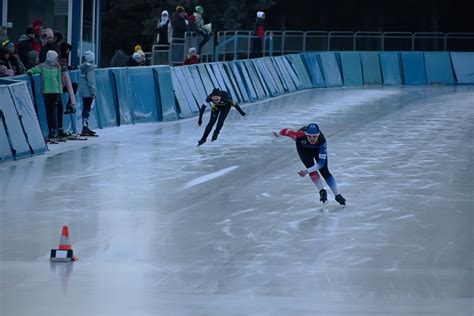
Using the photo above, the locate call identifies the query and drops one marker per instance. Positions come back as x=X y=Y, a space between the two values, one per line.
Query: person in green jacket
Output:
x=51 y=88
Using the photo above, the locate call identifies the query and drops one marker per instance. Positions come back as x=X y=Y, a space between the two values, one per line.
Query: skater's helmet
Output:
x=215 y=92
x=312 y=129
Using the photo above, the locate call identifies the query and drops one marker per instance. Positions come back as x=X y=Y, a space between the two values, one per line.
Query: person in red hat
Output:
x=38 y=28
x=311 y=147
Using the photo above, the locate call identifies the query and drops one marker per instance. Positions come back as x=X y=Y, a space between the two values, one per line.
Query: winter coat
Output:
x=50 y=73
x=179 y=26
x=163 y=32
x=191 y=60
x=44 y=50
x=258 y=28
x=25 y=45
x=66 y=83
x=87 y=87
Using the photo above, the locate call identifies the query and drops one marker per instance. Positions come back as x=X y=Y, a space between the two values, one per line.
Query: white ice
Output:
x=164 y=228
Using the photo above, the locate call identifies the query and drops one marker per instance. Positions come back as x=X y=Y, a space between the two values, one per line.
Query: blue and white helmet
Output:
x=312 y=129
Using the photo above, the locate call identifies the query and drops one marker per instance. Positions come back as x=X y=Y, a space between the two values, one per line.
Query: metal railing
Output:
x=232 y=45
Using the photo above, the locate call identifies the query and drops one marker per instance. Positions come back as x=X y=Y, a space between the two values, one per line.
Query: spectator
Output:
x=15 y=61
x=179 y=23
x=258 y=32
x=38 y=28
x=119 y=59
x=87 y=89
x=50 y=44
x=25 y=45
x=164 y=29
x=32 y=59
x=134 y=60
x=71 y=89
x=64 y=51
x=51 y=89
x=200 y=28
x=192 y=57
x=6 y=68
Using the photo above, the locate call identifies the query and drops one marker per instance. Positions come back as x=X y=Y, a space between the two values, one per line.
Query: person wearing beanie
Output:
x=32 y=59
x=17 y=65
x=137 y=48
x=38 y=29
x=192 y=57
x=134 y=60
x=221 y=104
x=200 y=29
x=258 y=34
x=5 y=64
x=49 y=44
x=51 y=88
x=87 y=89
x=311 y=147
x=25 y=45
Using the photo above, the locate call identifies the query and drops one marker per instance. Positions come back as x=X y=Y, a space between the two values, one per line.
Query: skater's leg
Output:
x=209 y=126
x=316 y=180
x=220 y=122
x=330 y=180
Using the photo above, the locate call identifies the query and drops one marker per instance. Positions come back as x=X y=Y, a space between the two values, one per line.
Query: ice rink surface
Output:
x=164 y=228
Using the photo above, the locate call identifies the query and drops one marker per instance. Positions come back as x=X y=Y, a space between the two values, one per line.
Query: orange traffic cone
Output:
x=64 y=253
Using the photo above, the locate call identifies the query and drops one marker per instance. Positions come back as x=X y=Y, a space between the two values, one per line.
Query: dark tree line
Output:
x=126 y=23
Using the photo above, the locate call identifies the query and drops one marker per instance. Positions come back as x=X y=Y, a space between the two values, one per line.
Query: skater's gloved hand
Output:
x=303 y=172
x=276 y=134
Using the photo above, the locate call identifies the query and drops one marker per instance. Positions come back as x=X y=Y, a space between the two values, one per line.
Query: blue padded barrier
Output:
x=248 y=92
x=187 y=104
x=24 y=106
x=253 y=70
x=300 y=69
x=12 y=125
x=165 y=93
x=291 y=71
x=197 y=89
x=314 y=69
x=5 y=150
x=351 y=68
x=253 y=79
x=286 y=80
x=265 y=76
x=413 y=64
x=228 y=83
x=40 y=107
x=332 y=75
x=142 y=97
x=227 y=69
x=188 y=87
x=439 y=68
x=215 y=82
x=198 y=82
x=124 y=106
x=106 y=97
x=463 y=65
x=390 y=65
x=225 y=84
x=371 y=68
x=268 y=62
x=206 y=79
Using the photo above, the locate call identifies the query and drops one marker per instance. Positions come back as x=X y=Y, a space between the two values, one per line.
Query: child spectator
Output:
x=192 y=57
x=87 y=90
x=15 y=61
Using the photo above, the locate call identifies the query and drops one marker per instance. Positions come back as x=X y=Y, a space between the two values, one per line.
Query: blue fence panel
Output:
x=228 y=83
x=413 y=68
x=371 y=68
x=273 y=72
x=206 y=79
x=198 y=93
x=286 y=80
x=292 y=72
x=227 y=69
x=143 y=100
x=314 y=69
x=124 y=106
x=390 y=65
x=332 y=75
x=253 y=78
x=215 y=82
x=187 y=104
x=250 y=64
x=198 y=82
x=5 y=150
x=17 y=139
x=351 y=68
x=248 y=92
x=265 y=77
x=463 y=65
x=438 y=68
x=300 y=69
x=165 y=93
x=24 y=105
x=39 y=103
x=106 y=97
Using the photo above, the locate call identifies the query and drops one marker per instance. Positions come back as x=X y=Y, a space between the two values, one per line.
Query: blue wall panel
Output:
x=36 y=86
x=351 y=68
x=463 y=65
x=206 y=79
x=285 y=77
x=253 y=79
x=253 y=70
x=300 y=69
x=371 y=68
x=197 y=90
x=227 y=69
x=142 y=96
x=106 y=97
x=124 y=106
x=413 y=64
x=332 y=75
x=22 y=99
x=248 y=92
x=12 y=122
x=165 y=93
x=198 y=82
x=292 y=72
x=438 y=68
x=312 y=64
x=273 y=72
x=186 y=102
x=265 y=77
x=390 y=65
x=5 y=150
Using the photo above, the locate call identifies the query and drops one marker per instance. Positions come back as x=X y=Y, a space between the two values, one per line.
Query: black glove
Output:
x=237 y=107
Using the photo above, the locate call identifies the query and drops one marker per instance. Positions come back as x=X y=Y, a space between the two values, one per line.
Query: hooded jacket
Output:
x=87 y=87
x=50 y=73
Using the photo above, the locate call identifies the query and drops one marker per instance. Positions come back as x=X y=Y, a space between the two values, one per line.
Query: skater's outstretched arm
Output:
x=289 y=133
x=238 y=108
